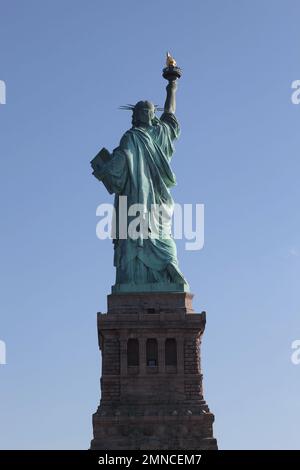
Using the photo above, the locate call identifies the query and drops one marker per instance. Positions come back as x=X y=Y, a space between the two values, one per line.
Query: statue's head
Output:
x=143 y=114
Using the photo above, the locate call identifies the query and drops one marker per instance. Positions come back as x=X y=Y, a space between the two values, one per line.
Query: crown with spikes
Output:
x=130 y=107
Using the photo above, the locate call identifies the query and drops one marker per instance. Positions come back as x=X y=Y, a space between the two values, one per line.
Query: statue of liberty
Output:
x=139 y=169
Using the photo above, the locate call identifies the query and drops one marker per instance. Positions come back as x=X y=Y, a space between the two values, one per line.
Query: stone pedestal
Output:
x=151 y=385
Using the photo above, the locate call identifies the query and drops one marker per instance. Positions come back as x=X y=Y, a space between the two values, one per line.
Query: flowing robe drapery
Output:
x=139 y=168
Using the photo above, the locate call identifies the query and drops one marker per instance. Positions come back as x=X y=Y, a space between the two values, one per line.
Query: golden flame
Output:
x=171 y=62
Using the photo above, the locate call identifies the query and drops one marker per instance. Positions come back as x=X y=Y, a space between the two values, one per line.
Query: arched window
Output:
x=133 y=352
x=170 y=352
x=151 y=352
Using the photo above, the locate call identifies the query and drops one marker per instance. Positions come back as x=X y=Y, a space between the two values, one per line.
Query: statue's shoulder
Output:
x=126 y=138
x=169 y=118
x=131 y=135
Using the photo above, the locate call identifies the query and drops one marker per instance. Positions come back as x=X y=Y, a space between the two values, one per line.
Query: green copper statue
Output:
x=139 y=168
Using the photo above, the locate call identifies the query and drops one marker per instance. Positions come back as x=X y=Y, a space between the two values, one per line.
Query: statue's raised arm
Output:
x=170 y=104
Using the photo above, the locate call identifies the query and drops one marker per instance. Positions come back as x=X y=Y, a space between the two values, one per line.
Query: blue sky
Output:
x=67 y=66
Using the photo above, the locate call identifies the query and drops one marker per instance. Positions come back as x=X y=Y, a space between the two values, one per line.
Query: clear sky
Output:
x=67 y=66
